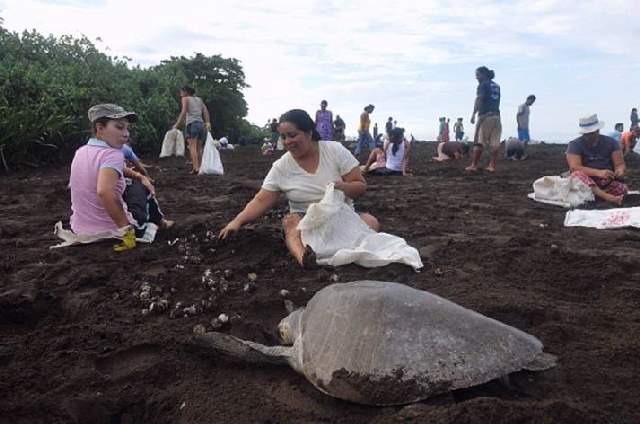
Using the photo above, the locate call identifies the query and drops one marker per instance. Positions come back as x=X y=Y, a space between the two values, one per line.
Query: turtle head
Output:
x=289 y=327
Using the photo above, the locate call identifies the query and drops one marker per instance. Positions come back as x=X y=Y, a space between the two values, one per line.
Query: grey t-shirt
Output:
x=523 y=116
x=596 y=156
x=195 y=107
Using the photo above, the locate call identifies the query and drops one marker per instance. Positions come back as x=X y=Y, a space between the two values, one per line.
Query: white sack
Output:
x=566 y=192
x=69 y=238
x=211 y=163
x=173 y=144
x=338 y=236
x=603 y=219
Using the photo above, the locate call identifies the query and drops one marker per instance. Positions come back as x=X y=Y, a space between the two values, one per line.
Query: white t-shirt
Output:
x=523 y=116
x=303 y=188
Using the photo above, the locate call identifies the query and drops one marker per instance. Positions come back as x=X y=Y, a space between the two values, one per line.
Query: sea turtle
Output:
x=382 y=343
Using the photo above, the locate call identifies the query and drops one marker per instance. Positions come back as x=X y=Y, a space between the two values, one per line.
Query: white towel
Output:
x=603 y=219
x=338 y=236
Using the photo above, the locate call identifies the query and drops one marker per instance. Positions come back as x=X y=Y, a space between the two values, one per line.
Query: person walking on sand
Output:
x=522 y=118
x=324 y=122
x=196 y=116
x=489 y=126
x=458 y=129
x=364 y=136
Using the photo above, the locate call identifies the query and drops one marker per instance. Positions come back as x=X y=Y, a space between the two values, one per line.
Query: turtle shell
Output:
x=384 y=343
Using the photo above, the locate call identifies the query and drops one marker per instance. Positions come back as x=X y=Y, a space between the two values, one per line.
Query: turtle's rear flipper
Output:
x=542 y=362
x=242 y=349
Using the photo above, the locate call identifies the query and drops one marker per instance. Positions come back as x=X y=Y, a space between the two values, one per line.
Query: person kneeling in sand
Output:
x=451 y=150
x=597 y=161
x=303 y=174
x=98 y=197
x=514 y=149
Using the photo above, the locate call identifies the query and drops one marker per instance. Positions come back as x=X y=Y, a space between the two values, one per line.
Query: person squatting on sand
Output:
x=629 y=139
x=489 y=126
x=196 y=116
x=393 y=158
x=451 y=150
x=597 y=161
x=101 y=199
x=303 y=174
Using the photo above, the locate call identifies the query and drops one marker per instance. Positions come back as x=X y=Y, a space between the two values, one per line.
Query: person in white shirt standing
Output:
x=302 y=175
x=522 y=117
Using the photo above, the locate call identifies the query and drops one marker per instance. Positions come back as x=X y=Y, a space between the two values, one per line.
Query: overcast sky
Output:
x=414 y=60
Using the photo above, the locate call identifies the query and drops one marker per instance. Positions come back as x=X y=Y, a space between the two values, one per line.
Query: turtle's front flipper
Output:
x=243 y=349
x=542 y=362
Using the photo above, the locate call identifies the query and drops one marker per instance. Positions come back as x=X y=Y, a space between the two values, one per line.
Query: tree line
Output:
x=47 y=83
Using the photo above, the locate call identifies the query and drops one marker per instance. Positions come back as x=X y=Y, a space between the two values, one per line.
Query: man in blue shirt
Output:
x=489 y=127
x=597 y=161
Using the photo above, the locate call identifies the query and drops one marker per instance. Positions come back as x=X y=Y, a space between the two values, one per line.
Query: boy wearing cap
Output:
x=597 y=161
x=98 y=185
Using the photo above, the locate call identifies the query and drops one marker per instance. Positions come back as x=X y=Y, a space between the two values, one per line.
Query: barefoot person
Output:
x=302 y=175
x=196 y=116
x=451 y=150
x=489 y=127
x=597 y=161
x=98 y=185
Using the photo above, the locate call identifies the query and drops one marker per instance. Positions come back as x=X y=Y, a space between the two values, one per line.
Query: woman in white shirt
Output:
x=302 y=175
x=396 y=155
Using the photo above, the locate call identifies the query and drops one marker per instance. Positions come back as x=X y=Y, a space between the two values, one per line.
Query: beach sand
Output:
x=77 y=347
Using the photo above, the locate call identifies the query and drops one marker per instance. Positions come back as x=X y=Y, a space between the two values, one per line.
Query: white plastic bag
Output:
x=566 y=192
x=173 y=144
x=338 y=236
x=211 y=163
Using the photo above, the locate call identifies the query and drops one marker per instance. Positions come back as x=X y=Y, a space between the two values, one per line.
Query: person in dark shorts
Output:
x=196 y=117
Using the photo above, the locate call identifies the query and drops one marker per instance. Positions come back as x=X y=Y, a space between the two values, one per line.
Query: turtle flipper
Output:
x=243 y=349
x=542 y=362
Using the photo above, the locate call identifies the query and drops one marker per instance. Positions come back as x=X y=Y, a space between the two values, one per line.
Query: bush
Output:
x=48 y=83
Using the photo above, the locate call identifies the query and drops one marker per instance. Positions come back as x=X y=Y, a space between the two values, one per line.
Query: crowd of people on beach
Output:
x=112 y=191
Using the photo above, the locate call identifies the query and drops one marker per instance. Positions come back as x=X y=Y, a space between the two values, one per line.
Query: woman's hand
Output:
x=230 y=228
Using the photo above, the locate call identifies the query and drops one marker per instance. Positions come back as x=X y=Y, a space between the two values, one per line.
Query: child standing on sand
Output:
x=458 y=128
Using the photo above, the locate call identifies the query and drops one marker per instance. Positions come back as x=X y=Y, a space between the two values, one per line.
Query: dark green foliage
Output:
x=47 y=84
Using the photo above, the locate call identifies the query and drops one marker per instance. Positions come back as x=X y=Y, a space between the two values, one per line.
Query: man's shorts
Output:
x=196 y=130
x=488 y=131
x=523 y=134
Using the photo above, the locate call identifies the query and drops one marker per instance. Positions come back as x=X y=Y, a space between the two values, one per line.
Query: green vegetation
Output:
x=47 y=84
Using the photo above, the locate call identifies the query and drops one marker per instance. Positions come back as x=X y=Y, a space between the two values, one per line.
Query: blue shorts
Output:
x=196 y=130
x=523 y=134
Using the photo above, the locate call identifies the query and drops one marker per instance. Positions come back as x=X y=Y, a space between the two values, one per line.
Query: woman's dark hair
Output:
x=302 y=121
x=324 y=102
x=397 y=137
x=486 y=72
x=188 y=89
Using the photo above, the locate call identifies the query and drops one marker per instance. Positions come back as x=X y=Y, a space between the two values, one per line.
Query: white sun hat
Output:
x=590 y=123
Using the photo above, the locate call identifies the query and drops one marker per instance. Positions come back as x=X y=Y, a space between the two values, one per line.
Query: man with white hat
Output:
x=597 y=161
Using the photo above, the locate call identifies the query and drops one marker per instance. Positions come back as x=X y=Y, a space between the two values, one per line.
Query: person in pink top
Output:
x=98 y=183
